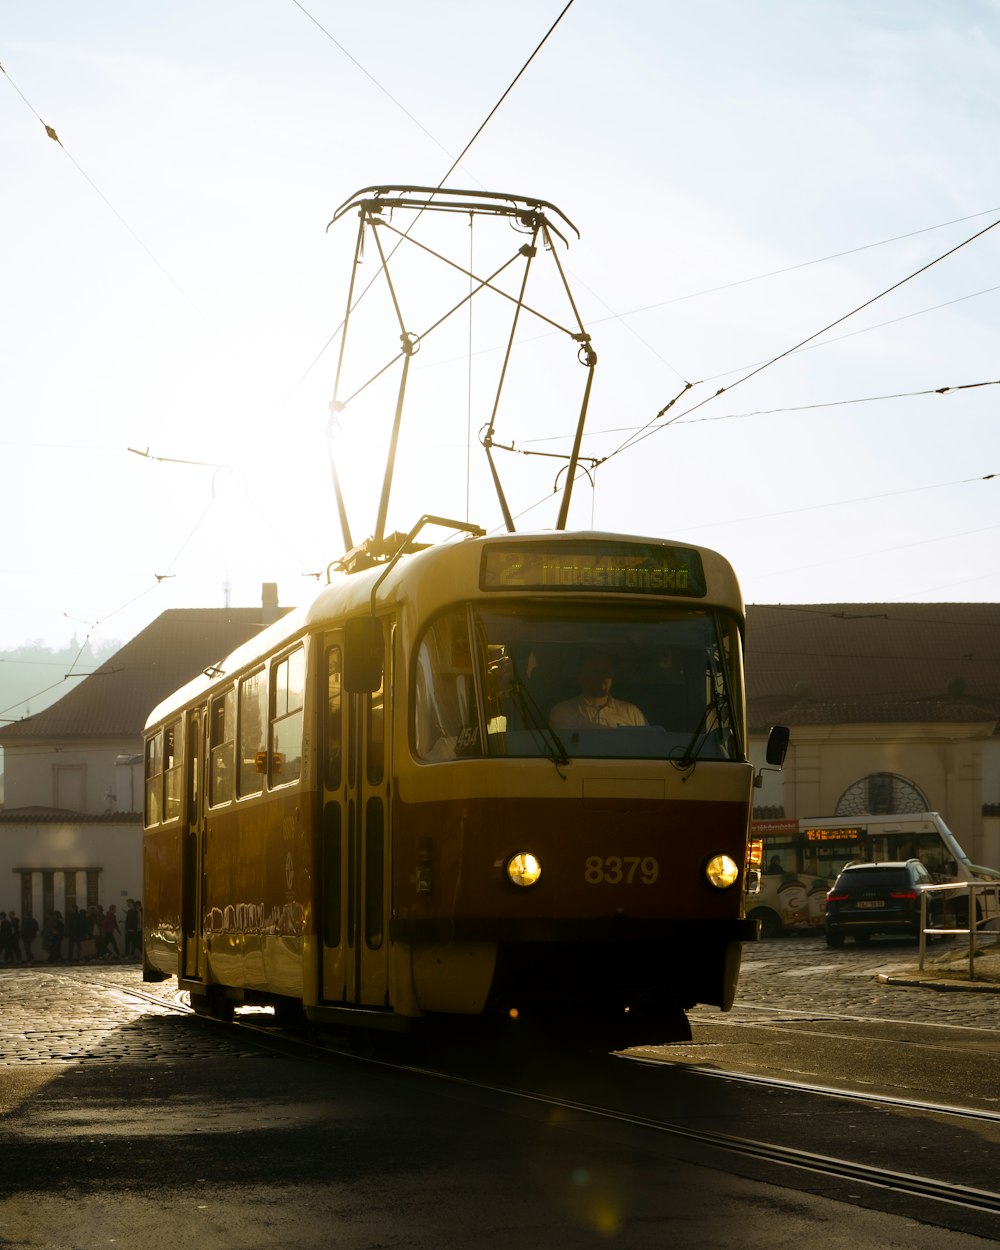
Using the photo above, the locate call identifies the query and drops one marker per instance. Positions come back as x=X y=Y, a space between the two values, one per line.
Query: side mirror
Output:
x=777 y=745
x=777 y=748
x=364 y=656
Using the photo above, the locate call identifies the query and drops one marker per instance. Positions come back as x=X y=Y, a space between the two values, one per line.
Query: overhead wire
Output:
x=770 y=412
x=50 y=131
x=805 y=264
x=651 y=427
x=881 y=551
x=371 y=78
x=878 y=325
x=841 y=503
x=451 y=169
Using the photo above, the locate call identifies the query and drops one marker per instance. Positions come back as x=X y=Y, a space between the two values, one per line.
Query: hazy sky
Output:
x=169 y=284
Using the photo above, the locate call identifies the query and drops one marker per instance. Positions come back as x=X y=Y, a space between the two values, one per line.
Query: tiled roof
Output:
x=115 y=700
x=847 y=663
x=843 y=663
x=59 y=816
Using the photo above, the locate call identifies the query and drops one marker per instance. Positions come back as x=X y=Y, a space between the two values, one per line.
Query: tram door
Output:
x=192 y=923
x=354 y=834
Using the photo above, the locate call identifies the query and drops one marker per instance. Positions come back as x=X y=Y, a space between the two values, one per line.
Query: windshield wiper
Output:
x=535 y=719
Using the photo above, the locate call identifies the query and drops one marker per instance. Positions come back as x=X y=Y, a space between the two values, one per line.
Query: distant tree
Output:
x=34 y=676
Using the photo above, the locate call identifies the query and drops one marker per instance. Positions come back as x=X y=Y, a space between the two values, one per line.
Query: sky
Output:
x=743 y=174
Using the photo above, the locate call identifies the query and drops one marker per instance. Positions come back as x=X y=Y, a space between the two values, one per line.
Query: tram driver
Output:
x=595 y=707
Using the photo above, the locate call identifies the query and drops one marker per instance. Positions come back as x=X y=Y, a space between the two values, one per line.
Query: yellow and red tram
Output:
x=372 y=811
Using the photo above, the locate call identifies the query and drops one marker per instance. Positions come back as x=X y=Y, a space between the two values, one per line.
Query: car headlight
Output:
x=523 y=869
x=722 y=872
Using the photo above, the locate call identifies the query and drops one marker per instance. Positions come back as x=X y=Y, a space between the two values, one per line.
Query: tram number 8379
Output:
x=621 y=870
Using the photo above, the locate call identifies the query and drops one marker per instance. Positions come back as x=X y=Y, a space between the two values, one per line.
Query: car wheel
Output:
x=834 y=939
x=770 y=922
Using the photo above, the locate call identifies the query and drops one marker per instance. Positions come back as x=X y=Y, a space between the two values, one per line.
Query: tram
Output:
x=499 y=777
x=369 y=811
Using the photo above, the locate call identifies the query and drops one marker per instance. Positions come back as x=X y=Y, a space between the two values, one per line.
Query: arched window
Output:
x=881 y=794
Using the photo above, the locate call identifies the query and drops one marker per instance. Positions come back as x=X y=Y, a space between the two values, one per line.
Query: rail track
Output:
x=778 y=1158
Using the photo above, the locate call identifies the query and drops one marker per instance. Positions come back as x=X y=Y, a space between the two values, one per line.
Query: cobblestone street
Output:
x=802 y=974
x=104 y=1013
x=68 y=1014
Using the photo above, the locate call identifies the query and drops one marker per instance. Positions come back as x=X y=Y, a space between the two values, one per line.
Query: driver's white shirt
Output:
x=584 y=713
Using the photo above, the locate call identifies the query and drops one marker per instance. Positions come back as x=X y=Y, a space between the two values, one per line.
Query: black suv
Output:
x=876 y=898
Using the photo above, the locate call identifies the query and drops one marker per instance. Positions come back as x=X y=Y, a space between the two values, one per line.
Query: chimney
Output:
x=269 y=602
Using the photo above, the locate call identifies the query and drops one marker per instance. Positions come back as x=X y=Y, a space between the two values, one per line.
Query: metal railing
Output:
x=979 y=904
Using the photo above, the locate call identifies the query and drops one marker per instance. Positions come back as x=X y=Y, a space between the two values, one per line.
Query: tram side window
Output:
x=154 y=778
x=222 y=744
x=334 y=720
x=252 y=733
x=173 y=774
x=288 y=679
x=446 y=713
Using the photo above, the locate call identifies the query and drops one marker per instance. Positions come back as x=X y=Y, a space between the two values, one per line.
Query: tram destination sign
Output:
x=605 y=567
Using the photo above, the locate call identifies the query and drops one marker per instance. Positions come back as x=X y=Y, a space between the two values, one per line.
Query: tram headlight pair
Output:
x=523 y=869
x=722 y=872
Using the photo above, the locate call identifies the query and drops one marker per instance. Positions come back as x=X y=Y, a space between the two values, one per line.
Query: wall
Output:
x=30 y=776
x=114 y=848
x=954 y=765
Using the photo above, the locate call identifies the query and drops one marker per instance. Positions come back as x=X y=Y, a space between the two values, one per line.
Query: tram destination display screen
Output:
x=606 y=567
x=847 y=834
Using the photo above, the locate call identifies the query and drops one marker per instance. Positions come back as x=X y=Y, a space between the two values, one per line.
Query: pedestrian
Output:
x=29 y=931
x=6 y=954
x=76 y=925
x=53 y=934
x=132 y=930
x=111 y=928
x=15 y=937
x=100 y=941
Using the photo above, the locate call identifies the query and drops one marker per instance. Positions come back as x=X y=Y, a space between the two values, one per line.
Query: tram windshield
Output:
x=553 y=681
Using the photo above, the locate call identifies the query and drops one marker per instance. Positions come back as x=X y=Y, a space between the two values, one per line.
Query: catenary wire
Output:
x=93 y=185
x=652 y=427
x=770 y=412
x=878 y=325
x=454 y=165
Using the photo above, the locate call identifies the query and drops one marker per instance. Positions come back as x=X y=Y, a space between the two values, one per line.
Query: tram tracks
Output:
x=705 y=1143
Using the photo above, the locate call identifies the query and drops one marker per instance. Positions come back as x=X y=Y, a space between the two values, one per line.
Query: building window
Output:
x=71 y=787
x=881 y=794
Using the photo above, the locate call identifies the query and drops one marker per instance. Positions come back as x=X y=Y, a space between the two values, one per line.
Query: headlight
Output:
x=722 y=872
x=523 y=869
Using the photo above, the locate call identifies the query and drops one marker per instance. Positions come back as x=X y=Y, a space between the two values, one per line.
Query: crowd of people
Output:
x=84 y=934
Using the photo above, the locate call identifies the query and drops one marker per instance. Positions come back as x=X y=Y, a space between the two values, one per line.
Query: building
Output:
x=893 y=707
x=71 y=824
